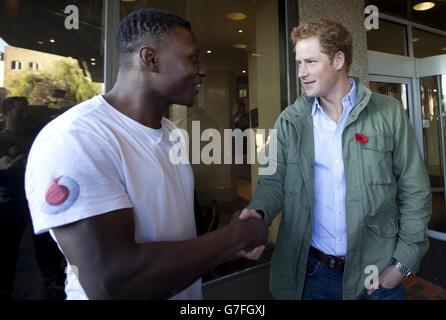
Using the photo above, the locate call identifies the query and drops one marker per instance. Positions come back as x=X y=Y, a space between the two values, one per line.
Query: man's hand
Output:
x=389 y=279
x=249 y=213
x=255 y=253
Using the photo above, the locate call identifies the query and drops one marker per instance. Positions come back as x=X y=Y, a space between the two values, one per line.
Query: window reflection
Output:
x=44 y=70
x=395 y=90
x=426 y=44
x=432 y=136
x=390 y=37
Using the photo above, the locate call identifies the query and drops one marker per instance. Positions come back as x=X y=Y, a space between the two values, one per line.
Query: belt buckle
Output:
x=331 y=263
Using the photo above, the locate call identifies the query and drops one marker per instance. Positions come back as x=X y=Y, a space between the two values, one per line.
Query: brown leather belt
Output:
x=333 y=262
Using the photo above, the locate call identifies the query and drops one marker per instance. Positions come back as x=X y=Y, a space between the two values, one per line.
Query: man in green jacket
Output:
x=350 y=181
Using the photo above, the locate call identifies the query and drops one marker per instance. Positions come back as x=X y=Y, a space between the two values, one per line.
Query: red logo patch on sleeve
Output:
x=61 y=195
x=57 y=194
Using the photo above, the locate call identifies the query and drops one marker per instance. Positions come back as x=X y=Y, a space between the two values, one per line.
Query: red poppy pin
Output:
x=362 y=139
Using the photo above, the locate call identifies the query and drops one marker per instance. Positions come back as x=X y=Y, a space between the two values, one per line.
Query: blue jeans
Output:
x=397 y=293
x=325 y=283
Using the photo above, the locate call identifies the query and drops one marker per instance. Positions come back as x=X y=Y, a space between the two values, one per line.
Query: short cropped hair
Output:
x=145 y=25
x=333 y=37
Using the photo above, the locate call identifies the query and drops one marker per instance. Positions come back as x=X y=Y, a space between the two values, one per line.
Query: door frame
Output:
x=435 y=66
x=400 y=69
x=398 y=80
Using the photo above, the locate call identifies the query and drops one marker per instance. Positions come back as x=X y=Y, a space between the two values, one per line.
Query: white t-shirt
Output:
x=93 y=159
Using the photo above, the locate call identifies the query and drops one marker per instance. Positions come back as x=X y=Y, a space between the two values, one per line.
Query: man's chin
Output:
x=310 y=94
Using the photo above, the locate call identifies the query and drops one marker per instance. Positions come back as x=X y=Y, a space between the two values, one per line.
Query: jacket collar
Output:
x=303 y=104
x=299 y=115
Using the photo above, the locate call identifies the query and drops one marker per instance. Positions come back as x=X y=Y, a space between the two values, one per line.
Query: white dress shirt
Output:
x=329 y=221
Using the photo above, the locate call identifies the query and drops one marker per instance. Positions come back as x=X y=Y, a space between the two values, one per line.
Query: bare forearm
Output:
x=161 y=269
x=112 y=266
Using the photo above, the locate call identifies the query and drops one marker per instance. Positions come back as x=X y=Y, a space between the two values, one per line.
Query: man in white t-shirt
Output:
x=100 y=180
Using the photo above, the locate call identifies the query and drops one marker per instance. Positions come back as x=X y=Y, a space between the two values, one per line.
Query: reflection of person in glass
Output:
x=240 y=119
x=99 y=177
x=15 y=141
x=12 y=158
x=350 y=179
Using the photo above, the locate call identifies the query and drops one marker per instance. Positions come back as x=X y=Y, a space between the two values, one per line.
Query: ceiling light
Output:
x=240 y=31
x=236 y=16
x=92 y=59
x=93 y=63
x=52 y=40
x=208 y=51
x=422 y=6
x=240 y=46
x=40 y=42
x=243 y=71
x=256 y=54
x=415 y=39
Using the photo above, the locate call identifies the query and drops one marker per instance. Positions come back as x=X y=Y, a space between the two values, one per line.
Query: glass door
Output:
x=396 y=87
x=433 y=113
x=432 y=80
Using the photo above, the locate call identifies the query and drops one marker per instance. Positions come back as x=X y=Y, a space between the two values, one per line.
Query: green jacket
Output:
x=386 y=168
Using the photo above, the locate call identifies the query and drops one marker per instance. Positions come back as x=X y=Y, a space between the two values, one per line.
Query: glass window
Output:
x=33 y=66
x=16 y=65
x=53 y=57
x=426 y=44
x=433 y=134
x=390 y=38
x=45 y=69
x=433 y=17
x=241 y=57
x=395 y=90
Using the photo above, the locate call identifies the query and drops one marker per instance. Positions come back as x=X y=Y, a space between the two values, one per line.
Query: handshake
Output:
x=251 y=231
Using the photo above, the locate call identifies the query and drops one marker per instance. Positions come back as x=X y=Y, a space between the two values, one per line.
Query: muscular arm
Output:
x=113 y=266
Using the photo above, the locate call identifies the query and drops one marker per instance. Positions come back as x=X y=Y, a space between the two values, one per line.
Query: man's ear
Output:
x=339 y=60
x=149 y=58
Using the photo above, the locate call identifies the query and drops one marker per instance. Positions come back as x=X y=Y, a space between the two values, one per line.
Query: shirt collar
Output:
x=348 y=101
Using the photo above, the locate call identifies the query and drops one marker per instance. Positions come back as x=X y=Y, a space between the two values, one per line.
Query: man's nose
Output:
x=302 y=70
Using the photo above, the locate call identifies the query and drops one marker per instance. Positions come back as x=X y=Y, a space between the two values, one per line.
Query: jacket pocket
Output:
x=377 y=159
x=293 y=182
x=385 y=226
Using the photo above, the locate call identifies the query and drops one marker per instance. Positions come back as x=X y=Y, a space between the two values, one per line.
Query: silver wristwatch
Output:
x=402 y=269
